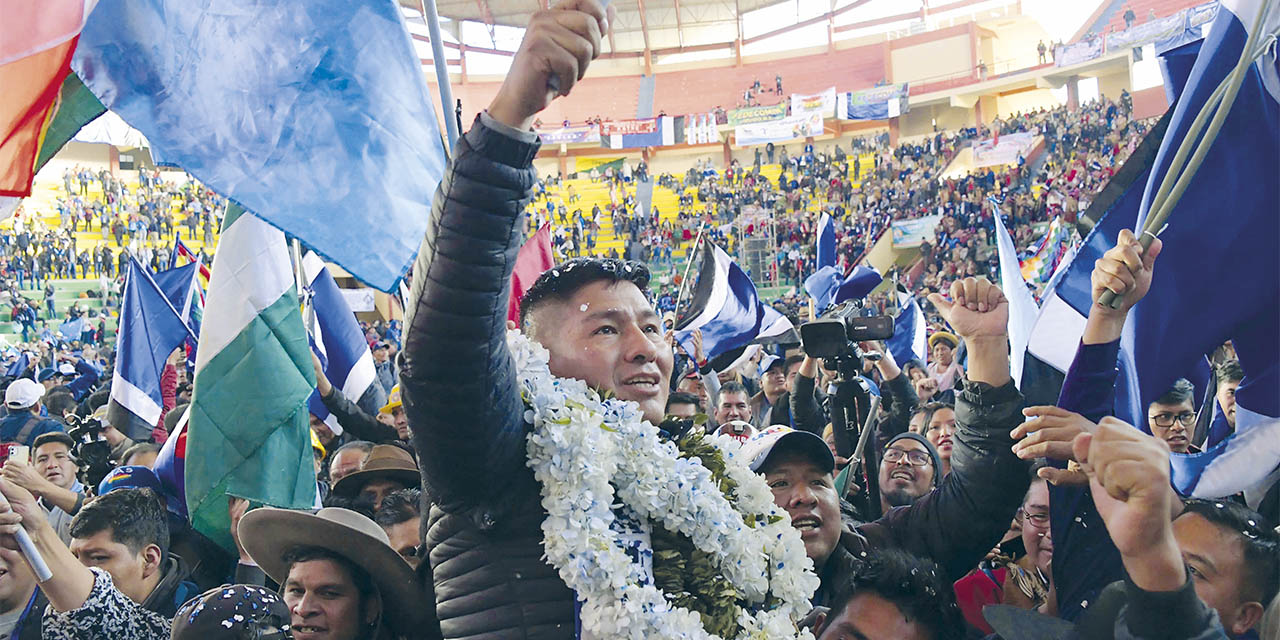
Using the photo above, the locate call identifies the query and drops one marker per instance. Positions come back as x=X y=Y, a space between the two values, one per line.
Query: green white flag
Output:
x=248 y=434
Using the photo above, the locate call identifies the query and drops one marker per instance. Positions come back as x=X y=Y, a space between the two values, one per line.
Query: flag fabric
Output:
x=826 y=249
x=1023 y=309
x=724 y=305
x=828 y=287
x=316 y=116
x=1043 y=261
x=535 y=257
x=181 y=252
x=776 y=328
x=336 y=339
x=37 y=40
x=908 y=341
x=171 y=463
x=180 y=287
x=72 y=329
x=150 y=329
x=248 y=434
x=19 y=366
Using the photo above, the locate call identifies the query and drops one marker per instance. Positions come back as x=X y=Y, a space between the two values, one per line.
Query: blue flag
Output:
x=724 y=305
x=826 y=242
x=180 y=286
x=72 y=329
x=908 y=341
x=828 y=287
x=337 y=340
x=19 y=366
x=315 y=116
x=150 y=329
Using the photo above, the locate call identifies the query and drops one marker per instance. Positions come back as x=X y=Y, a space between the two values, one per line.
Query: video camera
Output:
x=92 y=452
x=836 y=336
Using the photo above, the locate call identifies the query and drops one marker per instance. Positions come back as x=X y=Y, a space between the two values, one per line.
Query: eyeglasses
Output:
x=1039 y=519
x=914 y=458
x=1187 y=418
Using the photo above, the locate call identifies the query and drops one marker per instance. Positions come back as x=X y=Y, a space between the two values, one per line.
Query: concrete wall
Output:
x=932 y=59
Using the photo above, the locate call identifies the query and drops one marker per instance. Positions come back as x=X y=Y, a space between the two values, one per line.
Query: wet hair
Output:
x=136 y=518
x=1181 y=391
x=913 y=584
x=563 y=280
x=1258 y=539
x=682 y=397
x=399 y=506
x=1230 y=371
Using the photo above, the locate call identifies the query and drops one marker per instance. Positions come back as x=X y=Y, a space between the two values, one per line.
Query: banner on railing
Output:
x=1002 y=150
x=752 y=115
x=571 y=135
x=911 y=233
x=1077 y=52
x=1147 y=32
x=790 y=128
x=876 y=103
x=824 y=103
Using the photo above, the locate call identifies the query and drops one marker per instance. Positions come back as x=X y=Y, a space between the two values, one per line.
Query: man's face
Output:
x=16 y=580
x=774 y=382
x=1035 y=525
x=376 y=490
x=344 y=464
x=734 y=405
x=904 y=480
x=942 y=354
x=792 y=372
x=1227 y=399
x=694 y=386
x=380 y=354
x=53 y=461
x=1217 y=568
x=323 y=601
x=404 y=539
x=808 y=494
x=870 y=617
x=401 y=423
x=1172 y=423
x=939 y=431
x=608 y=336
x=322 y=430
x=131 y=572
x=682 y=410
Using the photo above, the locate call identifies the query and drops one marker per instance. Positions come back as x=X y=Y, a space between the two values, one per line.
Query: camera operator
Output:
x=51 y=477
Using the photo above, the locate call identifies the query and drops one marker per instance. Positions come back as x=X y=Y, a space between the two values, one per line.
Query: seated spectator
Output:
x=338 y=573
x=387 y=468
x=893 y=595
x=51 y=477
x=24 y=423
x=126 y=533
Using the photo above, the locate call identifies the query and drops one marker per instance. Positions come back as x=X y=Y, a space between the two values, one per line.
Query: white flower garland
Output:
x=581 y=448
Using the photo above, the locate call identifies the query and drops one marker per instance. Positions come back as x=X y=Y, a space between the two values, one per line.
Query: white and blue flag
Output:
x=826 y=249
x=337 y=340
x=724 y=305
x=908 y=341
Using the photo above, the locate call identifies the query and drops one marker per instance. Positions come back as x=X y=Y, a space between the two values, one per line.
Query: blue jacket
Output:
x=83 y=383
x=12 y=426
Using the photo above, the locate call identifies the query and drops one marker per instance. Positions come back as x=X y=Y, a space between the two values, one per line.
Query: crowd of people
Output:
x=923 y=500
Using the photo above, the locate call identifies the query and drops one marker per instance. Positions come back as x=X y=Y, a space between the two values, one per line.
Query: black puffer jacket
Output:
x=459 y=389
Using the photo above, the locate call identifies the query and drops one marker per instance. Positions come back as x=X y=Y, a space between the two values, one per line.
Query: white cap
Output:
x=23 y=393
x=67 y=369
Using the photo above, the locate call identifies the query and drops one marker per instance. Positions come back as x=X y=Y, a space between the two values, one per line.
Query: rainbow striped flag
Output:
x=1038 y=266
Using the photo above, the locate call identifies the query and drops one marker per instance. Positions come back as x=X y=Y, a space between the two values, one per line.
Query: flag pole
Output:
x=684 y=281
x=442 y=69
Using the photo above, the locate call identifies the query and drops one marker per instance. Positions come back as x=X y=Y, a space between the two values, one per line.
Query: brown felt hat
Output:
x=385 y=462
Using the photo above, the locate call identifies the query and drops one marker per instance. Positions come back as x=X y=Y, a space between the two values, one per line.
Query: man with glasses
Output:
x=908 y=470
x=1172 y=417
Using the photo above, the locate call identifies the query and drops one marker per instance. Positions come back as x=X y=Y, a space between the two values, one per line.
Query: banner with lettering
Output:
x=571 y=135
x=877 y=103
x=752 y=115
x=911 y=233
x=1002 y=150
x=824 y=103
x=790 y=128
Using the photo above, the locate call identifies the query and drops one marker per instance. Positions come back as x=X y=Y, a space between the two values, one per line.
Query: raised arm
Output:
x=456 y=375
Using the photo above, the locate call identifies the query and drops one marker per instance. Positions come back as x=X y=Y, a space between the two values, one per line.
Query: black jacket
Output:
x=958 y=523
x=458 y=383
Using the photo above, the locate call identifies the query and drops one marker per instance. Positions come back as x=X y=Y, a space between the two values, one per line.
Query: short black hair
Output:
x=359 y=503
x=399 y=506
x=136 y=518
x=733 y=386
x=363 y=581
x=1181 y=391
x=913 y=584
x=139 y=448
x=59 y=403
x=684 y=397
x=52 y=436
x=795 y=359
x=930 y=408
x=1230 y=371
x=1258 y=539
x=564 y=279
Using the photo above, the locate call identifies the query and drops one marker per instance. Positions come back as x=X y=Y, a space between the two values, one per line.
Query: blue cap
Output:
x=46 y=373
x=137 y=477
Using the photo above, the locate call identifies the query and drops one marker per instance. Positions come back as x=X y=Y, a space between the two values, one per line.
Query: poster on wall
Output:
x=751 y=115
x=801 y=126
x=912 y=233
x=824 y=103
x=1150 y=31
x=1077 y=52
x=1002 y=150
x=571 y=135
x=876 y=103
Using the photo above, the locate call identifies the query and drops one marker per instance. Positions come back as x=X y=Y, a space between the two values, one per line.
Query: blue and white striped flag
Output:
x=908 y=341
x=724 y=306
x=337 y=340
